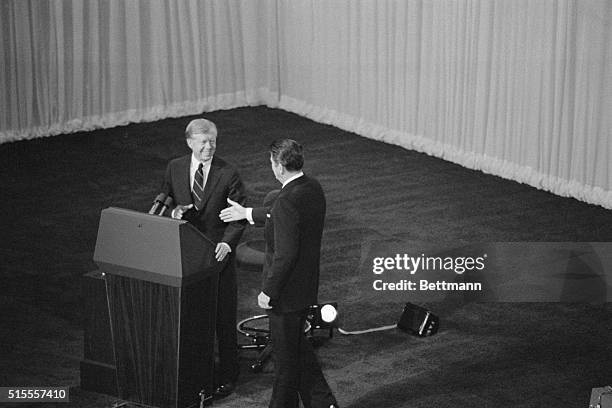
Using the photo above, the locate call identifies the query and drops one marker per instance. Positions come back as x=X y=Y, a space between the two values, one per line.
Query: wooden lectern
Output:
x=161 y=283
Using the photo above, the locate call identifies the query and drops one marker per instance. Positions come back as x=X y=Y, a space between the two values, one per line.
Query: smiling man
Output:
x=200 y=183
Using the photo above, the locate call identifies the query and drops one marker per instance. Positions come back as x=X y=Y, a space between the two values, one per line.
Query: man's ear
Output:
x=189 y=141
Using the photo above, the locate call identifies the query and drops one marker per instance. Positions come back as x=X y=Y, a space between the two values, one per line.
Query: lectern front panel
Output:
x=163 y=338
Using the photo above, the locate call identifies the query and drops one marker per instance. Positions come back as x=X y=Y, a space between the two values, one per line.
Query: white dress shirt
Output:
x=193 y=168
x=195 y=163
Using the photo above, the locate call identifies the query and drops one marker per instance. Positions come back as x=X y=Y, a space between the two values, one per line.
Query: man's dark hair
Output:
x=289 y=153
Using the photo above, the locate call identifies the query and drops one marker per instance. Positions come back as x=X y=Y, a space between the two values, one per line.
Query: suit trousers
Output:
x=297 y=372
x=227 y=338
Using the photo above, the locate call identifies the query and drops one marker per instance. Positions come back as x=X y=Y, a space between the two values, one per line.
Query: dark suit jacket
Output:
x=293 y=231
x=223 y=181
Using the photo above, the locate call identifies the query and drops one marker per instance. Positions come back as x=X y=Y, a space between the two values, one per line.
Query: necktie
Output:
x=198 y=188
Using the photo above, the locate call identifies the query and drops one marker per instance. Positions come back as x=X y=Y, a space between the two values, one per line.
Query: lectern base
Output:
x=205 y=401
x=98 y=373
x=98 y=377
x=163 y=338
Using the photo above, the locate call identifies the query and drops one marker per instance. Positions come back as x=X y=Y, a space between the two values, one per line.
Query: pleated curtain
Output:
x=517 y=88
x=70 y=65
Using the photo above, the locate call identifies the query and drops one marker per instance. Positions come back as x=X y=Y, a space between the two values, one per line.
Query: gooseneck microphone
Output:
x=157 y=203
x=167 y=203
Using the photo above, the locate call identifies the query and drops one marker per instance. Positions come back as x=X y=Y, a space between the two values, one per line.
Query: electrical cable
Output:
x=348 y=333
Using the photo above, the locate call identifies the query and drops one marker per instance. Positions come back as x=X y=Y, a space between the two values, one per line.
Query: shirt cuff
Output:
x=229 y=248
x=249 y=215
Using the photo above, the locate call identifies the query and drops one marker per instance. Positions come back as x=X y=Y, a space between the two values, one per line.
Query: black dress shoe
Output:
x=224 y=390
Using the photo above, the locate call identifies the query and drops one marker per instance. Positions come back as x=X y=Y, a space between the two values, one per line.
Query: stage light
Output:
x=323 y=316
x=418 y=321
x=328 y=313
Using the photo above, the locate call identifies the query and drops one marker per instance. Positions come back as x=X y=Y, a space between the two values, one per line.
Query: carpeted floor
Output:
x=486 y=355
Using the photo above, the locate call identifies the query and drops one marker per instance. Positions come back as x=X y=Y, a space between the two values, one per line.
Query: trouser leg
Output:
x=297 y=371
x=226 y=324
x=314 y=389
x=285 y=330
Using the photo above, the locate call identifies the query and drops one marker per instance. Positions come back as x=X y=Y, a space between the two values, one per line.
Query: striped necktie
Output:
x=198 y=188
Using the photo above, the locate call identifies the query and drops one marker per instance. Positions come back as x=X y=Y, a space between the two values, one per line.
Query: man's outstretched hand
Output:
x=235 y=212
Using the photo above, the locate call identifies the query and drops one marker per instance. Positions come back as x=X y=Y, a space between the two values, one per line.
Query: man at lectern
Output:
x=293 y=231
x=200 y=183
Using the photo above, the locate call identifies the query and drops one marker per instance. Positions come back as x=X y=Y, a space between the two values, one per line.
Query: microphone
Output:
x=158 y=201
x=167 y=203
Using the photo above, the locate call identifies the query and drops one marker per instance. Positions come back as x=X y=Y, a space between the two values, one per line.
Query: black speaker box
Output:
x=418 y=321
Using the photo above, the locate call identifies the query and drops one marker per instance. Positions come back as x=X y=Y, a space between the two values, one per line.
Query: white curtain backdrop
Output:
x=516 y=88
x=70 y=65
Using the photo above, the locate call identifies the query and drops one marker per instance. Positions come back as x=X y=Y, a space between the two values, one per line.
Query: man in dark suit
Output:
x=200 y=182
x=293 y=231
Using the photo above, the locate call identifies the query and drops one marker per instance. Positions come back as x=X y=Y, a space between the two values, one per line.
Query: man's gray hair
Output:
x=200 y=126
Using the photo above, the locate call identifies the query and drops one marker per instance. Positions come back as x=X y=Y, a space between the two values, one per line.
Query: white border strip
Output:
x=487 y=164
x=260 y=96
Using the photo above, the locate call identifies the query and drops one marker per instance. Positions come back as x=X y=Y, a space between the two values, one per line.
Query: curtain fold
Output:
x=521 y=89
x=73 y=65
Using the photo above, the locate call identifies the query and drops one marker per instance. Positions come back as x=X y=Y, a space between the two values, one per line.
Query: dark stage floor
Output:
x=490 y=354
